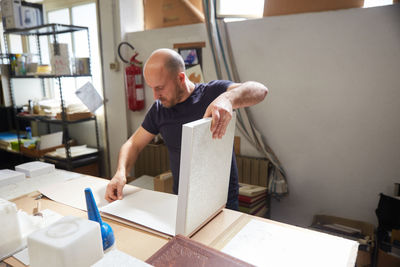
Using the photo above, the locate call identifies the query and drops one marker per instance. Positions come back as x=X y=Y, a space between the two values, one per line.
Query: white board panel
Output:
x=204 y=173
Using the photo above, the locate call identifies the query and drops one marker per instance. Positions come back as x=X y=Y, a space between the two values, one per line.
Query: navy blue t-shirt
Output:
x=169 y=121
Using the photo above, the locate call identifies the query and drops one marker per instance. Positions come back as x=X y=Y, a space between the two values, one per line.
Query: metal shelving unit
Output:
x=53 y=30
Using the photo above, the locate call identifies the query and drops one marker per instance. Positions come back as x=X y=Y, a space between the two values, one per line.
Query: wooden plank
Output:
x=167 y=166
x=139 y=165
x=236 y=145
x=190 y=45
x=239 y=163
x=255 y=171
x=246 y=170
x=151 y=170
x=157 y=160
x=164 y=159
x=263 y=174
x=146 y=160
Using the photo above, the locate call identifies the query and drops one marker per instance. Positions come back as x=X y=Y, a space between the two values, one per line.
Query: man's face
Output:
x=166 y=88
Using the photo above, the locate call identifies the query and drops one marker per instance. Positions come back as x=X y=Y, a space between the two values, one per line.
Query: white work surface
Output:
x=256 y=240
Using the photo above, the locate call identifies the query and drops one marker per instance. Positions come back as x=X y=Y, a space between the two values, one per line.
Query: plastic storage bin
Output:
x=10 y=232
x=70 y=241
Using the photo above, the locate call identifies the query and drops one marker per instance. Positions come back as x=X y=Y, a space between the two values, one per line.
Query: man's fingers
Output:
x=110 y=192
x=208 y=113
x=215 y=120
x=223 y=124
x=109 y=196
x=119 y=191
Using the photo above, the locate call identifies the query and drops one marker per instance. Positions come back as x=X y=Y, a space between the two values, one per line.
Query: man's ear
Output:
x=181 y=77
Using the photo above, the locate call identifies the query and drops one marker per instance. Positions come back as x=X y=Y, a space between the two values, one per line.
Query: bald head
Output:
x=167 y=59
x=164 y=72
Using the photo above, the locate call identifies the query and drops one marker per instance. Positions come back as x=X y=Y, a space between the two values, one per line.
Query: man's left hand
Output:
x=221 y=112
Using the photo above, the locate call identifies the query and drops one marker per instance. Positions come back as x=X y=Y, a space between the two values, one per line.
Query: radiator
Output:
x=252 y=170
x=154 y=160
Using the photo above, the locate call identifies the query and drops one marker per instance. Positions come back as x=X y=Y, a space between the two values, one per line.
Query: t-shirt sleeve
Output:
x=219 y=86
x=150 y=122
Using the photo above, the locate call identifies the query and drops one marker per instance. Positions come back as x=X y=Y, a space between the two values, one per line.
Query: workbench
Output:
x=216 y=233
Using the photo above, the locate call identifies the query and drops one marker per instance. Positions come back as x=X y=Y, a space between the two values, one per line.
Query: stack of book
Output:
x=253 y=199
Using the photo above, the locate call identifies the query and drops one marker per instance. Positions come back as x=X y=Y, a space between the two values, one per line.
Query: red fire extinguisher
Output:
x=133 y=80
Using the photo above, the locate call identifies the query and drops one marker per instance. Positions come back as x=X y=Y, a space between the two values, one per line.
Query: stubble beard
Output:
x=177 y=99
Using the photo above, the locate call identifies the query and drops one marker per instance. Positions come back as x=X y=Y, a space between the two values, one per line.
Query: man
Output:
x=178 y=101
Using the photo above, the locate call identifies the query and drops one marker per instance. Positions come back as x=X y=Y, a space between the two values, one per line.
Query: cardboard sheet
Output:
x=270 y=244
x=151 y=209
x=72 y=192
x=116 y=258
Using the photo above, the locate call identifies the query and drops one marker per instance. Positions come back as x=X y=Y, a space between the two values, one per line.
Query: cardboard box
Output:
x=90 y=169
x=164 y=182
x=37 y=153
x=284 y=7
x=387 y=260
x=167 y=13
x=17 y=14
x=153 y=160
x=75 y=116
x=11 y=14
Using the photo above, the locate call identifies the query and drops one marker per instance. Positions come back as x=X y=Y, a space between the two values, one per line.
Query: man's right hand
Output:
x=114 y=188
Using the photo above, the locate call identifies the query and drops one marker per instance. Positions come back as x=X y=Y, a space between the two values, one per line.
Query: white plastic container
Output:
x=10 y=177
x=70 y=241
x=35 y=168
x=10 y=232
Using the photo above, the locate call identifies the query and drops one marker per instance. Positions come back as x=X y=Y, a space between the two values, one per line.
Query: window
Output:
x=373 y=3
x=80 y=15
x=240 y=8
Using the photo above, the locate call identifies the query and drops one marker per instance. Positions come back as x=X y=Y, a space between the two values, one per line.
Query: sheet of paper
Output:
x=75 y=151
x=60 y=61
x=89 y=96
x=205 y=171
x=155 y=210
x=50 y=140
x=116 y=258
x=72 y=192
x=22 y=256
x=269 y=244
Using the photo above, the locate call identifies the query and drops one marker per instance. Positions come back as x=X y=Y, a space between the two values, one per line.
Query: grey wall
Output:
x=332 y=112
